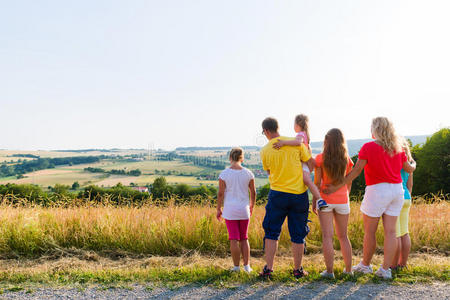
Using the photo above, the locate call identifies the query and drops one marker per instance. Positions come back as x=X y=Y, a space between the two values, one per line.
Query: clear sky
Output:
x=103 y=74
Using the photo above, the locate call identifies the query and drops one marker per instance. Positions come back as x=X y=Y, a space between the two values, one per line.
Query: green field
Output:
x=150 y=169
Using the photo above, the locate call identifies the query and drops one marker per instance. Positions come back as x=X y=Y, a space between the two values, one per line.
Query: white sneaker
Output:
x=235 y=269
x=348 y=273
x=361 y=268
x=385 y=274
x=248 y=269
x=325 y=274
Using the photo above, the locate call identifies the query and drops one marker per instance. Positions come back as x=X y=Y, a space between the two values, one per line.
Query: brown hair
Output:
x=303 y=121
x=270 y=124
x=384 y=132
x=335 y=155
x=236 y=154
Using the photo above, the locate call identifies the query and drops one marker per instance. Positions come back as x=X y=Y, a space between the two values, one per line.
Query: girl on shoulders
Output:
x=301 y=127
x=235 y=183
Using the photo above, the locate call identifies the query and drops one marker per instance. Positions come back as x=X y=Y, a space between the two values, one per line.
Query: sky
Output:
x=163 y=74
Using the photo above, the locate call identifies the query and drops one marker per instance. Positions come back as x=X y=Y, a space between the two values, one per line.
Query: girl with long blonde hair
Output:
x=382 y=161
x=331 y=167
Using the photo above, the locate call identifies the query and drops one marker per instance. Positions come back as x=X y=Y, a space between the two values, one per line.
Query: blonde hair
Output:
x=384 y=132
x=236 y=154
x=335 y=155
x=303 y=121
x=405 y=146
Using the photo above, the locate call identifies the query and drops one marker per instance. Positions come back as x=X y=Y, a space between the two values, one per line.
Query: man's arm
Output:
x=311 y=163
x=317 y=181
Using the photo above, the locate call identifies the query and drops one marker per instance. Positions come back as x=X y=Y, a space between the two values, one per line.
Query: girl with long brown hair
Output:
x=332 y=165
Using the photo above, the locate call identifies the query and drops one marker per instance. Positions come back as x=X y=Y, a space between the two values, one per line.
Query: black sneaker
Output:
x=266 y=273
x=299 y=273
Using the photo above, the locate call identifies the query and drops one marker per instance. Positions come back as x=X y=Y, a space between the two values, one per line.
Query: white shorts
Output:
x=342 y=209
x=383 y=198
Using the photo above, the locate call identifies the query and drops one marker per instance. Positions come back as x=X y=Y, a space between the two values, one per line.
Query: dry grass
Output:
x=177 y=230
x=181 y=244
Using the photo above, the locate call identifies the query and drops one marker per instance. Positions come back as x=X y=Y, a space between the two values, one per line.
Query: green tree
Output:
x=359 y=183
x=160 y=188
x=433 y=164
x=61 y=189
x=75 y=185
x=263 y=193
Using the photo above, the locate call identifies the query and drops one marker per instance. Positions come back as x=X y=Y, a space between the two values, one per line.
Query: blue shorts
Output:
x=293 y=206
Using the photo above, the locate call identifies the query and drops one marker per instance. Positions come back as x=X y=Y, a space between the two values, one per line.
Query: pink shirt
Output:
x=381 y=167
x=304 y=136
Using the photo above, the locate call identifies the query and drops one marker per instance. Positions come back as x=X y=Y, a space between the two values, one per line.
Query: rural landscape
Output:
x=114 y=217
x=134 y=134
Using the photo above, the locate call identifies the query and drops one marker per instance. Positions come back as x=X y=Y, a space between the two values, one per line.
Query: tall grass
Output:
x=176 y=230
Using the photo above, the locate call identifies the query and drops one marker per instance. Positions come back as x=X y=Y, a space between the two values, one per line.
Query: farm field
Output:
x=69 y=174
x=175 y=171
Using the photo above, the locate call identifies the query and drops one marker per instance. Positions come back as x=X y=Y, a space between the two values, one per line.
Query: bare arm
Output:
x=311 y=163
x=297 y=142
x=251 y=187
x=409 y=183
x=359 y=166
x=317 y=181
x=349 y=187
x=409 y=166
x=220 y=198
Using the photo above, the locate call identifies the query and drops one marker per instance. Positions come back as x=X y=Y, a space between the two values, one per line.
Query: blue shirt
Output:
x=405 y=176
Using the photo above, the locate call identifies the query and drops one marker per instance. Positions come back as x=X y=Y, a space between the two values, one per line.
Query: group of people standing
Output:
x=388 y=167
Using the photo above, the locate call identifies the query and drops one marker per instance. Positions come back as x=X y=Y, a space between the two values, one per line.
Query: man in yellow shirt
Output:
x=288 y=197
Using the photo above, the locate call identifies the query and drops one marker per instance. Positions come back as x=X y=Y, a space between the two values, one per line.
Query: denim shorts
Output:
x=293 y=206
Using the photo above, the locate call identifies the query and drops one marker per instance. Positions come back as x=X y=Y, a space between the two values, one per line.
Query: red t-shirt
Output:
x=341 y=195
x=381 y=167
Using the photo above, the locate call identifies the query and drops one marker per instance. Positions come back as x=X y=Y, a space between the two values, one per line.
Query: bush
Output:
x=433 y=164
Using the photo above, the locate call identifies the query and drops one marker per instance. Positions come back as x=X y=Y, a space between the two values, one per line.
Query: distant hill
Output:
x=355 y=145
x=248 y=148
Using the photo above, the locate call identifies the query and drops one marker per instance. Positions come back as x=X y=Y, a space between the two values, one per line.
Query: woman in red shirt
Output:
x=382 y=161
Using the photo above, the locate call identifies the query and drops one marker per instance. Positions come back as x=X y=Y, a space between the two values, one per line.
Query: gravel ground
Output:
x=315 y=290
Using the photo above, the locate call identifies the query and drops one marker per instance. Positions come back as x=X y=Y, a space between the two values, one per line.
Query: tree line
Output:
x=135 y=172
x=27 y=166
x=160 y=191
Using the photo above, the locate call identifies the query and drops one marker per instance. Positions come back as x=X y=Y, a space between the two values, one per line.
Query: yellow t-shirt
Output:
x=286 y=174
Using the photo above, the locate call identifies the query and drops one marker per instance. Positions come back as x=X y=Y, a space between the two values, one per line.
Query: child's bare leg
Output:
x=245 y=250
x=235 y=252
x=312 y=187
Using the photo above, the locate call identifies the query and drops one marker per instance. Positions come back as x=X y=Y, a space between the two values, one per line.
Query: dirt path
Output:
x=266 y=291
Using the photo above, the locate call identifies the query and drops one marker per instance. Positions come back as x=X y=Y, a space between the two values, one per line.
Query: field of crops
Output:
x=176 y=230
x=69 y=174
